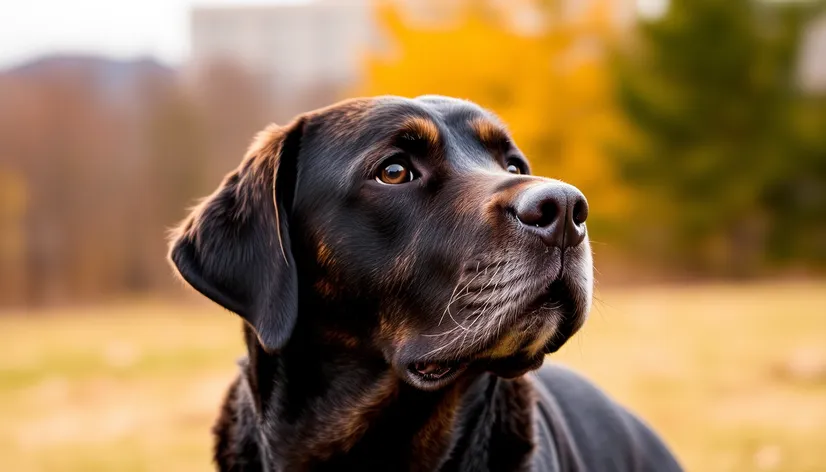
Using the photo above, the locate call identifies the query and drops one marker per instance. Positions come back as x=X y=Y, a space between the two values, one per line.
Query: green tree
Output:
x=729 y=156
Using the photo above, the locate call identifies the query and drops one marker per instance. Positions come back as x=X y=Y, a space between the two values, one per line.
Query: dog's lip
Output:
x=434 y=374
x=421 y=373
x=433 y=370
x=436 y=369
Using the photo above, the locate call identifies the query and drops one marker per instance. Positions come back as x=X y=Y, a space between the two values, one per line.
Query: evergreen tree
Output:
x=730 y=155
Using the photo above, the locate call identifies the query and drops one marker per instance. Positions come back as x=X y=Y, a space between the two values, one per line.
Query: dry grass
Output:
x=733 y=376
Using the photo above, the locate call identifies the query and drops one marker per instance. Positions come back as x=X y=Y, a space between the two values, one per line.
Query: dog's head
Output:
x=409 y=228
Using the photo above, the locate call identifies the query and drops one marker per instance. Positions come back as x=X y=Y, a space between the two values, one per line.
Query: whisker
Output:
x=440 y=334
x=452 y=300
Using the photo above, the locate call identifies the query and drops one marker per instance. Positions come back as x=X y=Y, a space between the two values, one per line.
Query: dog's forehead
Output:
x=451 y=109
x=376 y=117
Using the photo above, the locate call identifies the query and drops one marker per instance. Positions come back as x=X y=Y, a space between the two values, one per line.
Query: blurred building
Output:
x=304 y=54
x=813 y=60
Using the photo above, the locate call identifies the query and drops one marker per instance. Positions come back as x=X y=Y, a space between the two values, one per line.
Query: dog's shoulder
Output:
x=235 y=448
x=583 y=429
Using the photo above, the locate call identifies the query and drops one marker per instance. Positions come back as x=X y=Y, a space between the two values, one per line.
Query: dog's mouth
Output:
x=539 y=328
x=431 y=375
x=434 y=370
x=436 y=374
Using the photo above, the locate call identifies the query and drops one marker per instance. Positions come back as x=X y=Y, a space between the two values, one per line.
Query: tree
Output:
x=727 y=163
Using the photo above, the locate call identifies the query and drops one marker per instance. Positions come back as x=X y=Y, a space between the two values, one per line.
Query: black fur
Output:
x=351 y=290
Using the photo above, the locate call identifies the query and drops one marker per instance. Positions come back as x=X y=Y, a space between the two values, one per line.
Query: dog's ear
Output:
x=234 y=247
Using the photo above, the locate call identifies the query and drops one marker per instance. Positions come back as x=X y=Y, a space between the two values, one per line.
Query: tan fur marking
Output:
x=423 y=128
x=507 y=346
x=434 y=436
x=542 y=340
x=493 y=207
x=394 y=333
x=324 y=255
x=325 y=288
x=403 y=334
x=353 y=418
x=490 y=133
x=385 y=328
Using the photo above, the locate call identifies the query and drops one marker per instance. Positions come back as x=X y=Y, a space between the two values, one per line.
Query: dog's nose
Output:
x=555 y=211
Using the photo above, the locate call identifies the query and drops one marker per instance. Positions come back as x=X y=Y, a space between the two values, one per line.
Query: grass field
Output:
x=734 y=377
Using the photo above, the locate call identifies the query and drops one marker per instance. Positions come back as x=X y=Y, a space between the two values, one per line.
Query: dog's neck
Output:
x=324 y=408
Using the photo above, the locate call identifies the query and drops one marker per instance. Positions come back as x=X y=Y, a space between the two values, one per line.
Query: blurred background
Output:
x=697 y=129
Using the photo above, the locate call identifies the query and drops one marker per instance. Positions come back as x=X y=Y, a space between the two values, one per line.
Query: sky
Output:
x=114 y=28
x=120 y=28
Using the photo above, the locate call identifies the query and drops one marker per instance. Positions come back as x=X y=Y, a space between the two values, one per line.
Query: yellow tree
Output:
x=543 y=71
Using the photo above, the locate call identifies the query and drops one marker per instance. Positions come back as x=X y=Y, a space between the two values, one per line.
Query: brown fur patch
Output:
x=508 y=345
x=325 y=288
x=385 y=328
x=422 y=128
x=502 y=199
x=350 y=420
x=323 y=255
x=403 y=334
x=490 y=133
x=433 y=439
x=394 y=333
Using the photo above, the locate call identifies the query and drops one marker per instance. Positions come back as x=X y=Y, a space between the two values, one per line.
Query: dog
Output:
x=402 y=276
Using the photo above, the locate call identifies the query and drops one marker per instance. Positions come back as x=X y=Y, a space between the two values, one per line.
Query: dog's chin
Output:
x=538 y=329
x=436 y=374
x=516 y=365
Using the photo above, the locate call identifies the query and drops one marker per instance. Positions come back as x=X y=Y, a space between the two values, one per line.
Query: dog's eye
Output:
x=516 y=167
x=394 y=174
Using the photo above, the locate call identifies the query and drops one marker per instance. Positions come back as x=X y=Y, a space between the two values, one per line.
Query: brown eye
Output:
x=514 y=169
x=394 y=174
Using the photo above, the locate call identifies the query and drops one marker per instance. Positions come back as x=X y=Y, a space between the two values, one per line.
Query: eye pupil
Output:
x=394 y=171
x=514 y=169
x=394 y=174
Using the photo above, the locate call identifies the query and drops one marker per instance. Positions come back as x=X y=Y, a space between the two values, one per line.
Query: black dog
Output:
x=398 y=271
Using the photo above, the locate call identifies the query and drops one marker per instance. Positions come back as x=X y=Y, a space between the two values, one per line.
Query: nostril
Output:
x=539 y=214
x=580 y=213
x=548 y=214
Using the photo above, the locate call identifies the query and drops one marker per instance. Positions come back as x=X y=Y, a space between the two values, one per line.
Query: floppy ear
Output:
x=234 y=247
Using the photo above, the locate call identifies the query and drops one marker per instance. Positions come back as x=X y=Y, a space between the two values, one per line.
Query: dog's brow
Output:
x=490 y=134
x=421 y=129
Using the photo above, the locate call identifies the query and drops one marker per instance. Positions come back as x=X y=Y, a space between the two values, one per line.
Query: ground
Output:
x=734 y=377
